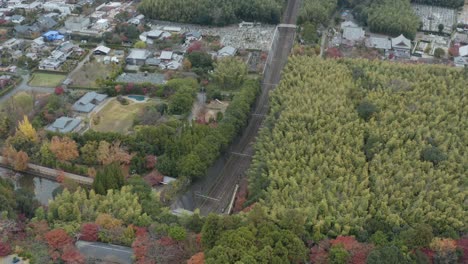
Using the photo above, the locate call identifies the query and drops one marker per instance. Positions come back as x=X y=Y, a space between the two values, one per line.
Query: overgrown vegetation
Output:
x=398 y=166
x=213 y=12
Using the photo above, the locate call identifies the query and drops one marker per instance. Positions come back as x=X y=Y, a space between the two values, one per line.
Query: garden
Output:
x=117 y=116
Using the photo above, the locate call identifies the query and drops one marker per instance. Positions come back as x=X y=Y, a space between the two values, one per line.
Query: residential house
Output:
x=52 y=36
x=64 y=125
x=137 y=56
x=379 y=43
x=13 y=44
x=77 y=23
x=17 y=19
x=101 y=24
x=101 y=50
x=62 y=8
x=46 y=22
x=58 y=57
x=401 y=46
x=27 y=31
x=193 y=36
x=227 y=51
x=153 y=62
x=154 y=34
x=136 y=20
x=88 y=102
x=166 y=56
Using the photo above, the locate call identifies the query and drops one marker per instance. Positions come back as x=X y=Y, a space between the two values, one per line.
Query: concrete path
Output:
x=106 y=252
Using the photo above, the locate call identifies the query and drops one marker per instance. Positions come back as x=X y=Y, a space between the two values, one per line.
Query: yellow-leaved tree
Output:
x=27 y=130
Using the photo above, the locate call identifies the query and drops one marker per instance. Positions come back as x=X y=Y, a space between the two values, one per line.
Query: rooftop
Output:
x=166 y=55
x=64 y=124
x=227 y=51
x=138 y=54
x=86 y=103
x=401 y=42
x=353 y=33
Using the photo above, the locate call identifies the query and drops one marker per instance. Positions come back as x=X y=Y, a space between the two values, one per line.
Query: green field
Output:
x=115 y=117
x=42 y=79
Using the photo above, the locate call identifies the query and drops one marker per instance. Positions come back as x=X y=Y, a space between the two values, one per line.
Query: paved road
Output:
x=234 y=169
x=105 y=252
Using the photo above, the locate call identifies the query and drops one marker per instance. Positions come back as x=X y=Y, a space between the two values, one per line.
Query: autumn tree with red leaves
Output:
x=71 y=255
x=57 y=238
x=140 y=247
x=89 y=232
x=5 y=249
x=198 y=258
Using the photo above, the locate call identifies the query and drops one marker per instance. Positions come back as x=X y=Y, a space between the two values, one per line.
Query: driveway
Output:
x=105 y=252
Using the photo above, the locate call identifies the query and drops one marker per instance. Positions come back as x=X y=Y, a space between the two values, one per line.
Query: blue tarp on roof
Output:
x=52 y=35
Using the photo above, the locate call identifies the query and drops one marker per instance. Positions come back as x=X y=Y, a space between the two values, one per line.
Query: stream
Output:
x=41 y=187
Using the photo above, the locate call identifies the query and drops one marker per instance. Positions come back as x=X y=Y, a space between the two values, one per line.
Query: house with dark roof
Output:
x=26 y=31
x=401 y=46
x=88 y=102
x=46 y=22
x=64 y=125
x=101 y=50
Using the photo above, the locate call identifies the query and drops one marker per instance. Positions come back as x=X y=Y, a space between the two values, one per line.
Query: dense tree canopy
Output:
x=445 y=3
x=213 y=12
x=348 y=173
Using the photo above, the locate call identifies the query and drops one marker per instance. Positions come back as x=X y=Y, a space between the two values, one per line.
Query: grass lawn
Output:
x=115 y=117
x=46 y=79
x=87 y=75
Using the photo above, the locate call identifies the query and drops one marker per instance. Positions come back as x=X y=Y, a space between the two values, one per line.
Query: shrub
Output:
x=366 y=110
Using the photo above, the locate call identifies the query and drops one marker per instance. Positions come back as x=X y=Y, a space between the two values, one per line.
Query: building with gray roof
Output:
x=137 y=56
x=64 y=125
x=353 y=33
x=379 y=43
x=88 y=102
x=227 y=51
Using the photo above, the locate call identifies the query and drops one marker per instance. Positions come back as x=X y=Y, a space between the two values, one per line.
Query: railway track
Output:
x=216 y=197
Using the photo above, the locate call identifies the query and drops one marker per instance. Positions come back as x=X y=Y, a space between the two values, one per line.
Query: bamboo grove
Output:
x=355 y=145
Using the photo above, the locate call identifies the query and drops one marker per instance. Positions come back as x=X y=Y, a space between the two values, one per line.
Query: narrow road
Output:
x=216 y=194
x=23 y=86
x=107 y=253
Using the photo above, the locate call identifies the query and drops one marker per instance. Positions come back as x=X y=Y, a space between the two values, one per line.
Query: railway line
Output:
x=215 y=193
